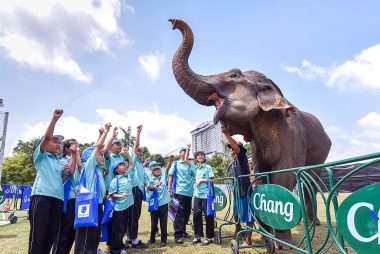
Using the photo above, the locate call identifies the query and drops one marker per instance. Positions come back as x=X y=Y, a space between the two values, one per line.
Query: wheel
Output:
x=13 y=219
x=270 y=245
x=234 y=247
x=217 y=238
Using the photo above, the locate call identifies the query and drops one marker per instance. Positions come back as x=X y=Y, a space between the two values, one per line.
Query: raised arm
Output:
x=233 y=143
x=187 y=154
x=170 y=162
x=131 y=163
x=100 y=143
x=137 y=141
x=109 y=143
x=50 y=129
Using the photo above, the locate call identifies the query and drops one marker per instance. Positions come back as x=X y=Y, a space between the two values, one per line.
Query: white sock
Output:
x=135 y=241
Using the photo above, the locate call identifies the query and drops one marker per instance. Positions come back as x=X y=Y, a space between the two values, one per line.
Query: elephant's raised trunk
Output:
x=196 y=86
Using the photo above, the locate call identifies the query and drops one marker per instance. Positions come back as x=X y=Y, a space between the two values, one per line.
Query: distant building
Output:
x=209 y=138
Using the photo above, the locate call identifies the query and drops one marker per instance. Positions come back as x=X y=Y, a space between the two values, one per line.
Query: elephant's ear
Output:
x=270 y=97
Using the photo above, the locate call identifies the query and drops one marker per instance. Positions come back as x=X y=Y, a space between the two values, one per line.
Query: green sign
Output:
x=220 y=200
x=276 y=206
x=2 y=197
x=358 y=219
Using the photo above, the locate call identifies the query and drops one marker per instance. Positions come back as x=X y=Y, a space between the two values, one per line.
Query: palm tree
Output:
x=128 y=139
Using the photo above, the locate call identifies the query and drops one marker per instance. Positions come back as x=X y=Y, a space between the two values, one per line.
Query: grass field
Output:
x=14 y=237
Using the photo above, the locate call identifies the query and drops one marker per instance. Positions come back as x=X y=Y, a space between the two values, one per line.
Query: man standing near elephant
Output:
x=240 y=166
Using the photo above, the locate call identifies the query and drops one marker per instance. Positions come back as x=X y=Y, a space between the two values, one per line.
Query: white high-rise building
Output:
x=209 y=138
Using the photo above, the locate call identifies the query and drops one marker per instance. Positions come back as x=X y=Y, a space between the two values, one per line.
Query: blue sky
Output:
x=111 y=61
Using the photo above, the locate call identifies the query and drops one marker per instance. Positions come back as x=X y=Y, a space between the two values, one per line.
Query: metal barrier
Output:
x=16 y=198
x=353 y=223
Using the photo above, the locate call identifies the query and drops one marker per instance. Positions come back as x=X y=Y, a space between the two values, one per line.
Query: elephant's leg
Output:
x=286 y=180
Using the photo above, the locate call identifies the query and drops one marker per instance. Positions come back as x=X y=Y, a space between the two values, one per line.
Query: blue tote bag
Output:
x=86 y=204
x=153 y=202
x=109 y=205
x=210 y=199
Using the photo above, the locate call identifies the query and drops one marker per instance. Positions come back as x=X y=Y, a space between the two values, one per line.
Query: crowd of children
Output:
x=63 y=170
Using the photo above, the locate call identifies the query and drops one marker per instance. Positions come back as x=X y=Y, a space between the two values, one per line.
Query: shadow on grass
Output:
x=7 y=236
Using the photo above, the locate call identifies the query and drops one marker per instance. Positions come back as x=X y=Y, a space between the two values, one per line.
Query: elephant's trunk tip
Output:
x=173 y=21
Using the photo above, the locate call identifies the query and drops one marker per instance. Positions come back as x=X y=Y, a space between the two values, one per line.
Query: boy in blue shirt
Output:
x=203 y=174
x=46 y=202
x=111 y=155
x=183 y=172
x=158 y=183
x=87 y=238
x=120 y=190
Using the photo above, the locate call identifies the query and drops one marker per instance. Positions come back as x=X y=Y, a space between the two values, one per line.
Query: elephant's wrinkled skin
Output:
x=250 y=103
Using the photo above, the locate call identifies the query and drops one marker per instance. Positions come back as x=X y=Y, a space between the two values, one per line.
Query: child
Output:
x=203 y=174
x=46 y=202
x=158 y=182
x=120 y=190
x=66 y=234
x=87 y=238
x=183 y=172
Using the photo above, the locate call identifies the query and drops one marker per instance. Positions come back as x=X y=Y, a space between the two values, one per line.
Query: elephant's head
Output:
x=238 y=96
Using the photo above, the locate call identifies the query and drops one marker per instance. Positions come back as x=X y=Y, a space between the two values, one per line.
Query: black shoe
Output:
x=196 y=240
x=151 y=241
x=163 y=244
x=126 y=246
x=178 y=241
x=140 y=245
x=186 y=235
x=206 y=242
x=128 y=242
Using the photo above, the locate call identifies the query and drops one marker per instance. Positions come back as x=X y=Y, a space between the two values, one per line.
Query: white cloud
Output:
x=364 y=139
x=151 y=64
x=361 y=72
x=41 y=34
x=161 y=133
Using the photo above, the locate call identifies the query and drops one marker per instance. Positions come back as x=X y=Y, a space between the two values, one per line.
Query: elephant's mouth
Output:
x=220 y=107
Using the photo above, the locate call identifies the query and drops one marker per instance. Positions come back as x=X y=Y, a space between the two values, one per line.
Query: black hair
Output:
x=66 y=144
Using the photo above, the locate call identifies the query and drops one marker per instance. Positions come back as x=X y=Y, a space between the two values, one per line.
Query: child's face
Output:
x=122 y=169
x=116 y=148
x=53 y=146
x=156 y=172
x=200 y=158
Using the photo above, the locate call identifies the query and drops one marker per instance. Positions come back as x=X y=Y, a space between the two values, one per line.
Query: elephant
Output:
x=251 y=104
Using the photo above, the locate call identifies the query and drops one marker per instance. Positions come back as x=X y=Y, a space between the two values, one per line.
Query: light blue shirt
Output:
x=48 y=181
x=91 y=168
x=137 y=174
x=163 y=195
x=203 y=171
x=120 y=185
x=109 y=162
x=74 y=179
x=185 y=178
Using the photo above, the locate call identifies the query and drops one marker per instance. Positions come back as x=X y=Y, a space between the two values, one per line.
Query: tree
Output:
x=219 y=165
x=19 y=169
x=158 y=158
x=128 y=139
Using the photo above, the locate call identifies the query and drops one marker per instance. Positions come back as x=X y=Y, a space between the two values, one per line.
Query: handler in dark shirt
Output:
x=239 y=166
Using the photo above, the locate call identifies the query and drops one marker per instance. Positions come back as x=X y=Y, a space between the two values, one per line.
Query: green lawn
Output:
x=14 y=237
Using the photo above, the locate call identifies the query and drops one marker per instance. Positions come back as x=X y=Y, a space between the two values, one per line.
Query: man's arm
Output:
x=50 y=129
x=109 y=143
x=137 y=141
x=170 y=162
x=129 y=157
x=100 y=143
x=187 y=154
x=234 y=145
x=170 y=183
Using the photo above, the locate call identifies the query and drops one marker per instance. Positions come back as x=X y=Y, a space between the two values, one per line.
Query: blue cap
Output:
x=115 y=165
x=87 y=153
x=182 y=149
x=152 y=163
x=59 y=137
x=117 y=141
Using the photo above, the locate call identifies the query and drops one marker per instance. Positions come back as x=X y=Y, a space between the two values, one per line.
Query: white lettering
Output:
x=351 y=223
x=273 y=206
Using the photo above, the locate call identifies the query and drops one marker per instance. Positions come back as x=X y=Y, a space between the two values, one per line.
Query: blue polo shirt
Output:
x=120 y=185
x=109 y=162
x=185 y=178
x=48 y=181
x=91 y=167
x=74 y=179
x=163 y=195
x=137 y=174
x=203 y=171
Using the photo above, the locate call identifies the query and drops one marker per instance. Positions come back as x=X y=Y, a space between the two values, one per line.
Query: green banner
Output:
x=220 y=200
x=358 y=219
x=276 y=206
